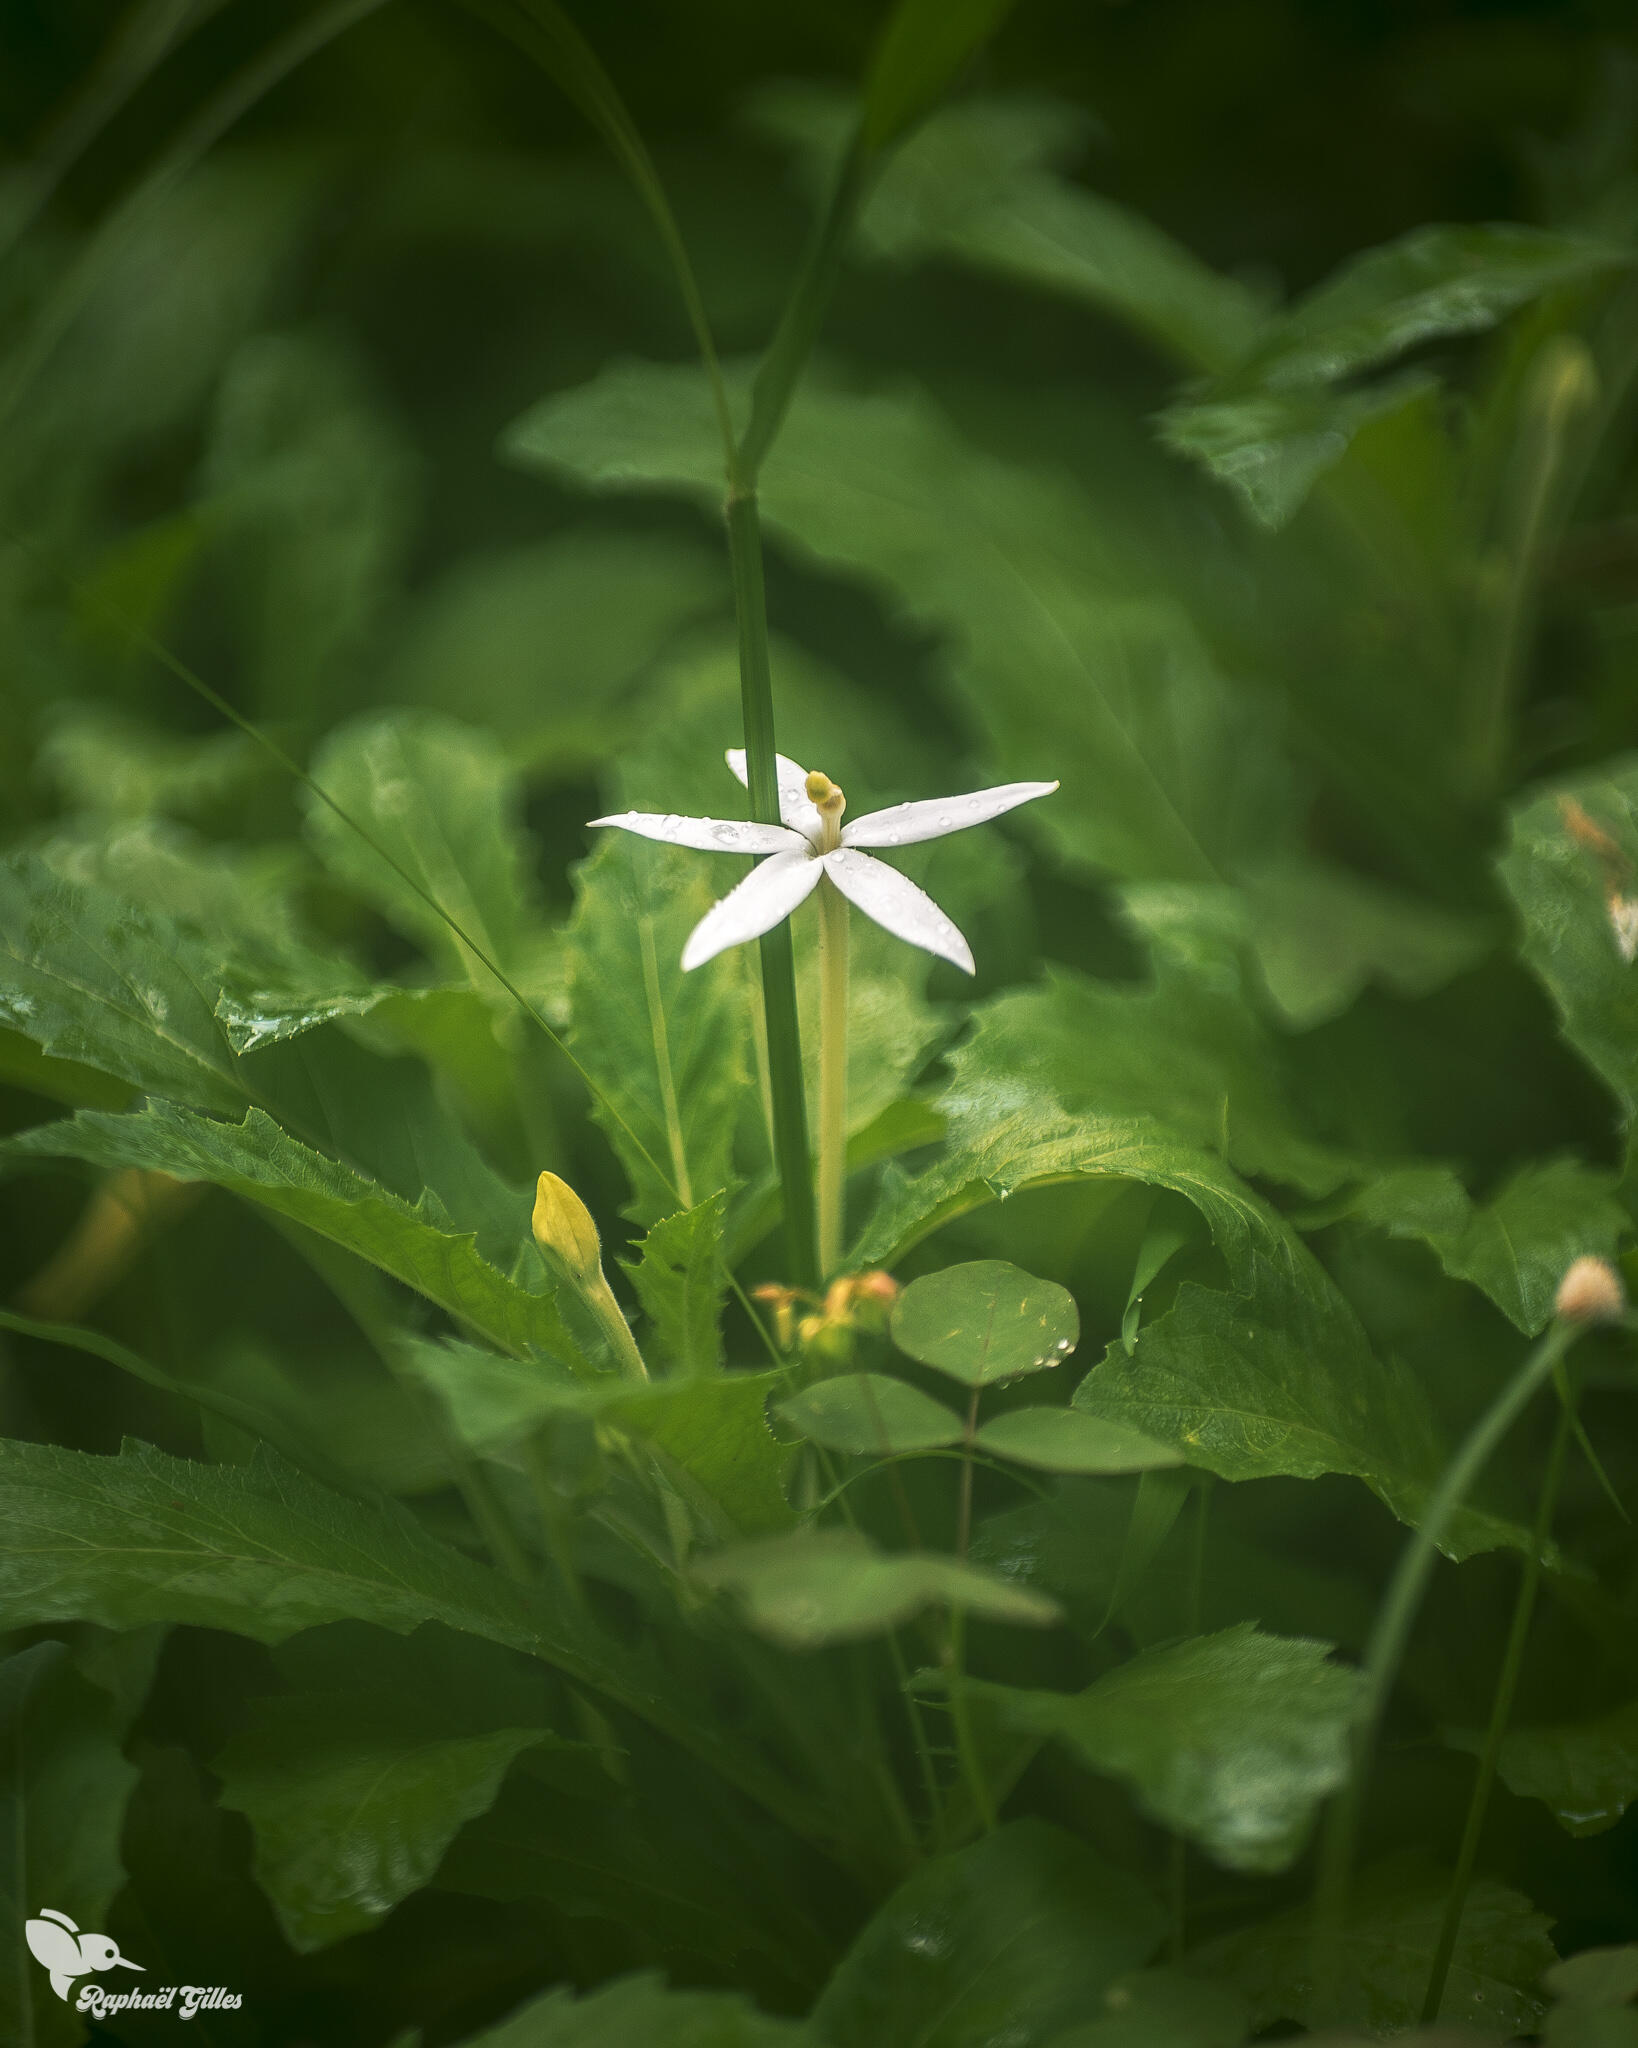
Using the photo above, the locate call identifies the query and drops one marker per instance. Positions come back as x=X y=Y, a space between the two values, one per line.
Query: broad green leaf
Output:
x=830 y=1586
x=1188 y=1051
x=1597 y=1980
x=1437 y=280
x=923 y=49
x=257 y=1549
x=868 y=1413
x=64 y=1785
x=643 y=2009
x=1517 y=1246
x=103 y=760
x=1057 y=653
x=1230 y=1739
x=128 y=992
x=1271 y=445
x=442 y=800
x=491 y=1401
x=681 y=1281
x=1069 y=1440
x=1387 y=1942
x=1015 y=1938
x=353 y=1801
x=259 y=1161
x=669 y=1051
x=1584 y=1772
x=716 y=1431
x=985 y=1321
x=1570 y=863
x=1280 y=1379
x=1163 y=2008
x=548 y=645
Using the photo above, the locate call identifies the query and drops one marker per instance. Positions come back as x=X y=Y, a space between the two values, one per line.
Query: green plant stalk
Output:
x=1193 y=1593
x=1391 y=1632
x=832 y=1069
x=972 y=1767
x=790 y=1128
x=1501 y=1707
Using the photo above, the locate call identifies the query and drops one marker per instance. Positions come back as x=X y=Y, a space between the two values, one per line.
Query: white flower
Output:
x=812 y=842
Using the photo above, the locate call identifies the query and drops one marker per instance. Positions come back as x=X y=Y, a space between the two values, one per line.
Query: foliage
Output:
x=431 y=1643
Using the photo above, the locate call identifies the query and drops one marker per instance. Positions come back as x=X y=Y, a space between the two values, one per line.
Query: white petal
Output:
x=767 y=894
x=895 y=902
x=708 y=835
x=904 y=824
x=794 y=806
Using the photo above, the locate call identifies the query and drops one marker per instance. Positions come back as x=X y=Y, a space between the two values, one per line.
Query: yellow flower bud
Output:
x=565 y=1231
x=1591 y=1292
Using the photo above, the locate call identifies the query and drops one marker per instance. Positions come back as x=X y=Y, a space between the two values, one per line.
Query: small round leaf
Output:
x=1065 y=1440
x=986 y=1321
x=867 y=1411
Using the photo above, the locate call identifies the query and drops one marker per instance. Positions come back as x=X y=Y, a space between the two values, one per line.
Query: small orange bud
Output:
x=1591 y=1292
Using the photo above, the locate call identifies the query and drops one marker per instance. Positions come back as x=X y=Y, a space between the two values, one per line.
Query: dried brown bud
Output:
x=1591 y=1292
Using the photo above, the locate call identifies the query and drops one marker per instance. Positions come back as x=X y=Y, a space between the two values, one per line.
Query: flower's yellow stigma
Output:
x=825 y=796
x=564 y=1229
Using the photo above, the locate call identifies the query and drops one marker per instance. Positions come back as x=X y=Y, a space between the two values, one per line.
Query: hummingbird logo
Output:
x=58 y=1945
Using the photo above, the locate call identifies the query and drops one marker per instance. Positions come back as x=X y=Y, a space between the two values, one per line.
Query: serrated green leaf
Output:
x=681 y=1281
x=1069 y=1440
x=1054 y=652
x=491 y=1401
x=1501 y=1952
x=831 y=1586
x=64 y=1784
x=1280 y=1379
x=128 y=992
x=717 y=1432
x=1436 y=280
x=1584 y=1772
x=670 y=1051
x=353 y=1801
x=1565 y=891
x=1272 y=445
x=1015 y=1937
x=259 y=1161
x=1230 y=1739
x=869 y=1414
x=444 y=802
x=643 y=2009
x=985 y=1321
x=1516 y=1247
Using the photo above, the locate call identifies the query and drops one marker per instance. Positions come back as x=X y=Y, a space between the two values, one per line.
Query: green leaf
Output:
x=1518 y=1246
x=259 y=1161
x=258 y=1549
x=869 y=1414
x=444 y=802
x=1600 y=1979
x=1068 y=1440
x=1188 y=1051
x=681 y=1281
x=669 y=1051
x=128 y=992
x=1055 y=650
x=353 y=1801
x=1272 y=445
x=925 y=45
x=492 y=1401
x=1437 y=280
x=1162 y=2008
x=1584 y=1772
x=830 y=1586
x=1280 y=1379
x=1230 y=1739
x=1566 y=892
x=1015 y=1938
x=985 y=1321
x=1390 y=1934
x=642 y=2009
x=716 y=1431
x=63 y=1790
